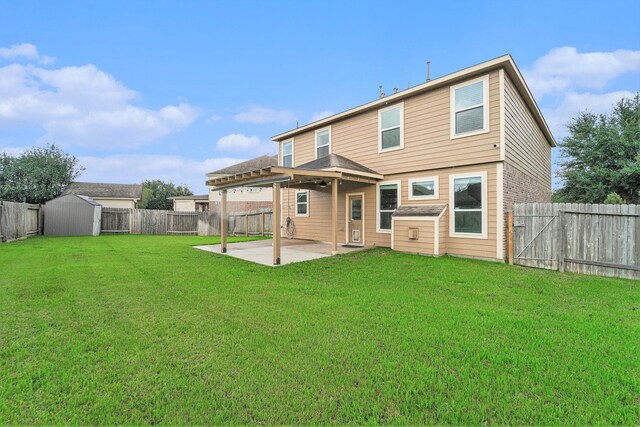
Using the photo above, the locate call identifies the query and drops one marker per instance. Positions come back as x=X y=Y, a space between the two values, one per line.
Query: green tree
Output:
x=602 y=155
x=156 y=193
x=614 y=199
x=37 y=175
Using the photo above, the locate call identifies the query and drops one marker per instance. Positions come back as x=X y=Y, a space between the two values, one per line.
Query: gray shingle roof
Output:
x=248 y=165
x=419 y=210
x=98 y=189
x=335 y=161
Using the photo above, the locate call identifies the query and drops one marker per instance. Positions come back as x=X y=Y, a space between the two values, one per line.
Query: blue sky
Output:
x=174 y=89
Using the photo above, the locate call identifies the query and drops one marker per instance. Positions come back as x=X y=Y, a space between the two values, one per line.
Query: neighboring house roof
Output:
x=199 y=197
x=248 y=165
x=505 y=61
x=103 y=190
x=420 y=210
x=335 y=161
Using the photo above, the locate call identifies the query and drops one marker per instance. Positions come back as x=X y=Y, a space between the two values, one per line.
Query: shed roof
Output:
x=248 y=165
x=83 y=198
x=419 y=210
x=98 y=189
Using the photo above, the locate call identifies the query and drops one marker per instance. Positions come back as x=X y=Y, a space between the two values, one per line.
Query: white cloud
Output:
x=24 y=51
x=84 y=106
x=321 y=115
x=564 y=69
x=237 y=142
x=262 y=115
x=214 y=118
x=13 y=151
x=573 y=103
x=137 y=168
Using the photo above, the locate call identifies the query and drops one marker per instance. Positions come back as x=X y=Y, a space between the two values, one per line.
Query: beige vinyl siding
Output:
x=318 y=225
x=424 y=244
x=427 y=136
x=444 y=231
x=304 y=148
x=116 y=203
x=526 y=148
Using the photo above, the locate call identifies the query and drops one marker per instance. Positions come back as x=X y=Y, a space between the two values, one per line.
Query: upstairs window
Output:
x=287 y=154
x=323 y=142
x=390 y=132
x=469 y=108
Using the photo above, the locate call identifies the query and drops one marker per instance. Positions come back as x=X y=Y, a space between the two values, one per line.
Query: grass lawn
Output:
x=147 y=330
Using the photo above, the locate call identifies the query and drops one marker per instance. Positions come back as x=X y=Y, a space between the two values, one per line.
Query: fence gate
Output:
x=583 y=238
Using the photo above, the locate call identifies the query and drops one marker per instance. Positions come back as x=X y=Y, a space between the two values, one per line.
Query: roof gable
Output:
x=248 y=165
x=335 y=161
x=505 y=62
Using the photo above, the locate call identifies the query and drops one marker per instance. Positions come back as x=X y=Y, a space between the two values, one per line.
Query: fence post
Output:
x=562 y=242
x=262 y=223
x=246 y=224
x=41 y=220
x=510 y=236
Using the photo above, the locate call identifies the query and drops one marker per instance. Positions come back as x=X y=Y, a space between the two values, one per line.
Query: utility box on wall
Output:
x=413 y=233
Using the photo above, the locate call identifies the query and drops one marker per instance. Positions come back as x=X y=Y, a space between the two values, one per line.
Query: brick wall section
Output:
x=521 y=188
x=237 y=206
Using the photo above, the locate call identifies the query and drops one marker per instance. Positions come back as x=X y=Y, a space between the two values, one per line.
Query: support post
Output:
x=334 y=217
x=510 y=236
x=277 y=213
x=41 y=220
x=262 y=224
x=246 y=224
x=223 y=222
x=561 y=250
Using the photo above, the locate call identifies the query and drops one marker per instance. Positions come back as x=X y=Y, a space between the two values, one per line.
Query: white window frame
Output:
x=308 y=204
x=484 y=209
x=380 y=130
x=485 y=104
x=436 y=189
x=292 y=152
x=316 y=139
x=399 y=184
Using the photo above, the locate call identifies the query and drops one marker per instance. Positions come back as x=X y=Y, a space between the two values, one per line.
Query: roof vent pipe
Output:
x=428 y=70
x=381 y=92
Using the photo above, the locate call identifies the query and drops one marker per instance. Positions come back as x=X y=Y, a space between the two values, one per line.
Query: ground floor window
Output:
x=302 y=203
x=388 y=200
x=469 y=204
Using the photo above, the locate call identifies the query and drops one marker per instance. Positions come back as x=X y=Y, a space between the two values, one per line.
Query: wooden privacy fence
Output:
x=582 y=238
x=148 y=221
x=19 y=220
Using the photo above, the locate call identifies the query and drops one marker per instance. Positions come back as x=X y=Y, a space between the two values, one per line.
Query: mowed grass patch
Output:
x=147 y=330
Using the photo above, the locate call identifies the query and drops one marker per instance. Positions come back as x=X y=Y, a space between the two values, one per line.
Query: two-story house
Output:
x=430 y=169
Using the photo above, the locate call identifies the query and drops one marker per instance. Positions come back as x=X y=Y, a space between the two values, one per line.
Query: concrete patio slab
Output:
x=292 y=250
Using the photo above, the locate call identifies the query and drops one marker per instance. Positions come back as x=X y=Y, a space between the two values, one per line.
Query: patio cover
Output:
x=327 y=170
